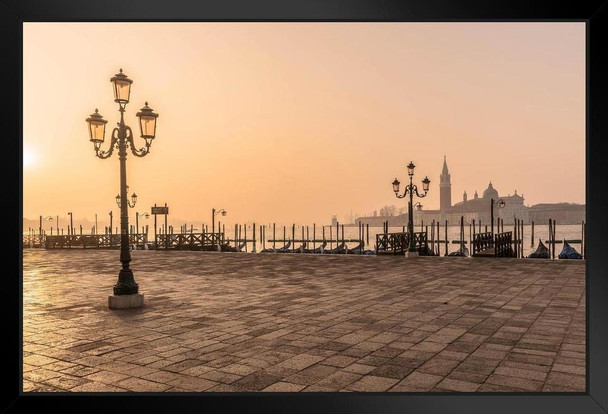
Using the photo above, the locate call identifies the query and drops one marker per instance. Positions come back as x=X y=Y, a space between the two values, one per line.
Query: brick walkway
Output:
x=243 y=322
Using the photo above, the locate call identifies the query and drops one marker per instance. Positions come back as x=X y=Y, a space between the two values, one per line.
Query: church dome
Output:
x=490 y=192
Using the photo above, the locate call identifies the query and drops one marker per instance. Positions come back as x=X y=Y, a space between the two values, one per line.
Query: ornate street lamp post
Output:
x=500 y=203
x=410 y=189
x=47 y=218
x=126 y=290
x=137 y=216
x=214 y=212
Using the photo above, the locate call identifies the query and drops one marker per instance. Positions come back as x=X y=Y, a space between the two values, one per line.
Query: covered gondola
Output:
x=461 y=252
x=568 y=252
x=337 y=250
x=542 y=251
x=318 y=249
x=284 y=249
x=356 y=250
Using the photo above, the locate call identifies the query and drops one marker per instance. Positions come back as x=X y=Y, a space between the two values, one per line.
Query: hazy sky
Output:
x=294 y=122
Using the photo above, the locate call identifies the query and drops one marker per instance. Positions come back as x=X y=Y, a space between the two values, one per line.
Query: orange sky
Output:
x=294 y=122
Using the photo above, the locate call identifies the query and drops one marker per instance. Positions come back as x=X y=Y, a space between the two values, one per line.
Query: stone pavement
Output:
x=282 y=322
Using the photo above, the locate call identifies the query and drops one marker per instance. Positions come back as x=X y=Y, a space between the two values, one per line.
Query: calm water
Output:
x=565 y=231
x=569 y=232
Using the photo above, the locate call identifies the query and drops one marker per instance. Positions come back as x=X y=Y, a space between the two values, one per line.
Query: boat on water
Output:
x=228 y=248
x=542 y=251
x=300 y=249
x=337 y=250
x=284 y=249
x=461 y=252
x=317 y=250
x=569 y=252
x=356 y=250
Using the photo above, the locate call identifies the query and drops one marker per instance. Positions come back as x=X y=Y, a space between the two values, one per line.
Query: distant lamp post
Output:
x=126 y=290
x=501 y=204
x=411 y=189
x=137 y=216
x=215 y=212
x=47 y=218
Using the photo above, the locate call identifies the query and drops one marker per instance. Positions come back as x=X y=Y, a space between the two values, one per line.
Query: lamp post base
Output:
x=135 y=300
x=411 y=254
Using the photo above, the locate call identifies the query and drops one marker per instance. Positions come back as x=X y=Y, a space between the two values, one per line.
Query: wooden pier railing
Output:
x=188 y=241
x=500 y=245
x=398 y=243
x=33 y=240
x=482 y=242
x=503 y=245
x=95 y=241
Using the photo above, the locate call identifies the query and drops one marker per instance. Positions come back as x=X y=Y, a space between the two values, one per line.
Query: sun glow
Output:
x=29 y=158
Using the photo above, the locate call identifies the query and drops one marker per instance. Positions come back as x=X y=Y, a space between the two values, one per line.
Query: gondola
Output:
x=542 y=251
x=228 y=248
x=317 y=250
x=300 y=249
x=284 y=249
x=337 y=250
x=568 y=252
x=356 y=250
x=461 y=252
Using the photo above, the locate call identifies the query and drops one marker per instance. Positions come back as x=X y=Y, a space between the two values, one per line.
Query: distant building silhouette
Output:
x=445 y=191
x=479 y=208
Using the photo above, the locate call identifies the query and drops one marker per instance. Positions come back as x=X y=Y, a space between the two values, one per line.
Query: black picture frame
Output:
x=13 y=13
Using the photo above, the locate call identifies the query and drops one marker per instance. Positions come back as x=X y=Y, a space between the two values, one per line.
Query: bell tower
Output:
x=445 y=190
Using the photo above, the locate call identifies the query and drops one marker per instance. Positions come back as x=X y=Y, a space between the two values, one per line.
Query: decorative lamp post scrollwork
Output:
x=411 y=189
x=121 y=139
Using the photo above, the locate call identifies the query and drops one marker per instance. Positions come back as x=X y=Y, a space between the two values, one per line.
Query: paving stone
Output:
x=284 y=387
x=457 y=385
x=248 y=322
x=417 y=382
x=372 y=383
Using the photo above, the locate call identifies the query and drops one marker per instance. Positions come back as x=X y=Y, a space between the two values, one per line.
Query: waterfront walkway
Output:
x=275 y=322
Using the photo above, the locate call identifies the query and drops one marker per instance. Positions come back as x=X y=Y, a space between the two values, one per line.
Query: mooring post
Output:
x=314 y=235
x=532 y=236
x=554 y=227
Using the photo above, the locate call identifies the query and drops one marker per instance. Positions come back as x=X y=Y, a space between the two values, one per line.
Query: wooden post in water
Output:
x=550 y=240
x=532 y=235
x=314 y=235
x=331 y=238
x=343 y=233
x=521 y=237
x=245 y=229
x=367 y=225
x=293 y=237
x=337 y=233
x=433 y=236
x=446 y=237
x=553 y=227
x=307 y=237
x=515 y=236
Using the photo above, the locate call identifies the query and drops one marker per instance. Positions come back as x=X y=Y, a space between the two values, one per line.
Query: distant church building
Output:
x=478 y=208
